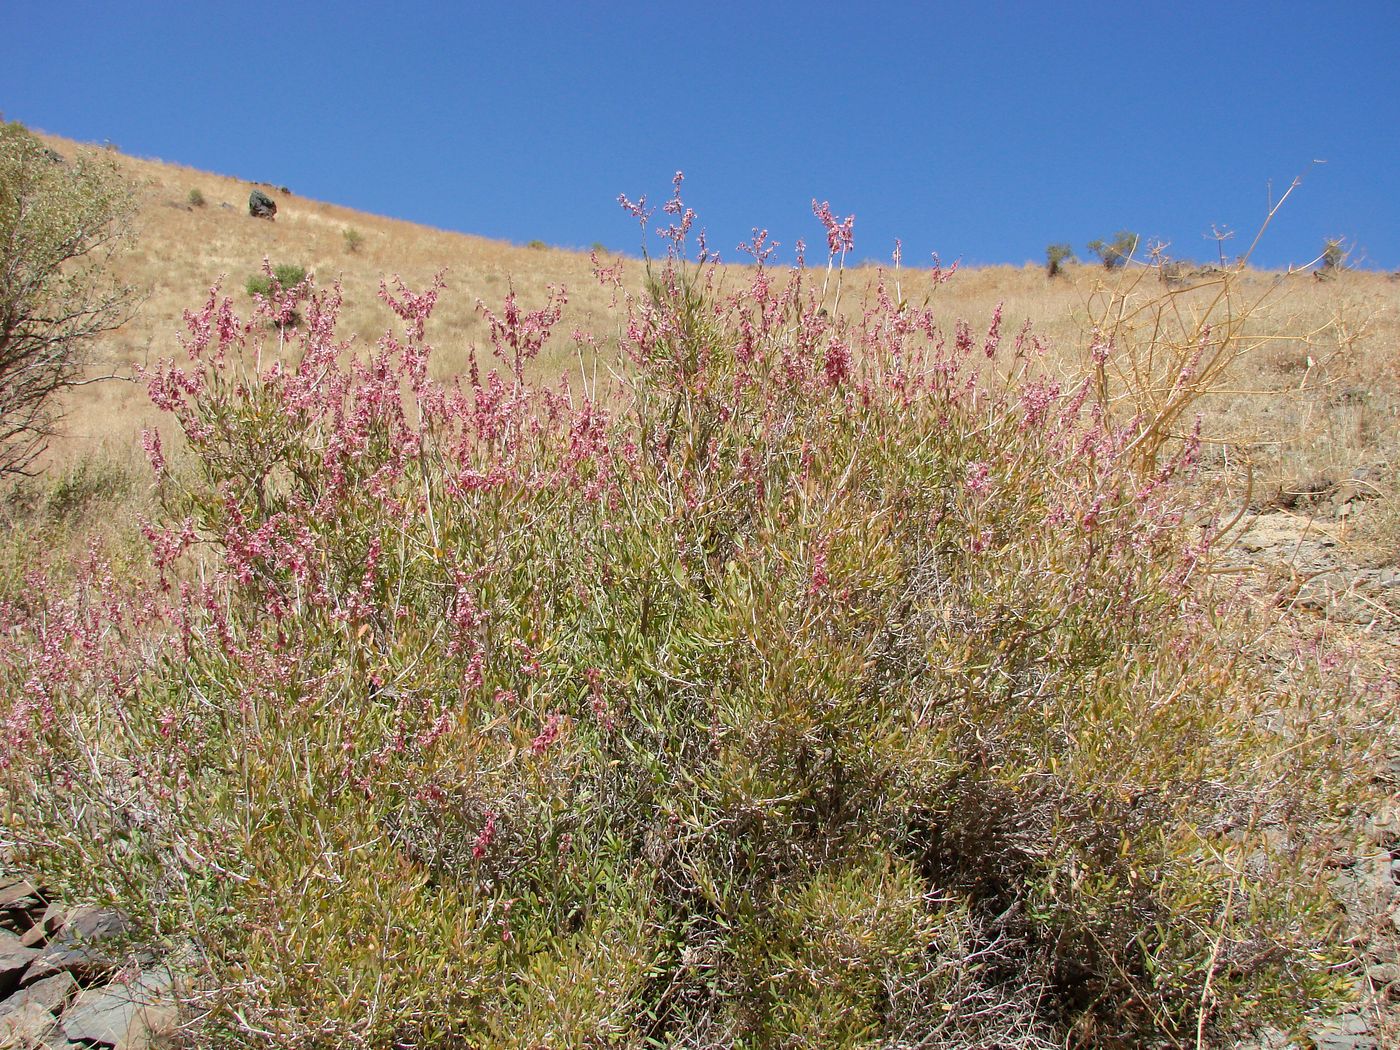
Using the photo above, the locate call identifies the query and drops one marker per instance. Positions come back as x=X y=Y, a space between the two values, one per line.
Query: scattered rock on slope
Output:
x=261 y=206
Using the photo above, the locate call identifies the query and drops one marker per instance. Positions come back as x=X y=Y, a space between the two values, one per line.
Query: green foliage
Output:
x=61 y=223
x=354 y=239
x=537 y=246
x=1055 y=256
x=195 y=199
x=1114 y=254
x=91 y=481
x=285 y=275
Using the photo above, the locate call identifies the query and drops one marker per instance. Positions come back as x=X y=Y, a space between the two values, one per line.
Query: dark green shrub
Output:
x=195 y=198
x=1114 y=254
x=288 y=276
x=1055 y=256
x=354 y=239
x=537 y=245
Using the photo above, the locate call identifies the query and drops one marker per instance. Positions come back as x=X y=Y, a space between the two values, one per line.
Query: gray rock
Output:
x=86 y=925
x=124 y=1016
x=55 y=915
x=52 y=993
x=1348 y=1032
x=30 y=1026
x=87 y=965
x=261 y=206
x=18 y=900
x=17 y=893
x=84 y=946
x=15 y=963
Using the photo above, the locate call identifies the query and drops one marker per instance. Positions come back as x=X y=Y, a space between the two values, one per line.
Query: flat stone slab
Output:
x=124 y=1016
x=87 y=965
x=52 y=993
x=84 y=925
x=15 y=962
x=55 y=915
x=78 y=946
x=16 y=892
x=19 y=900
x=30 y=1026
x=1349 y=1032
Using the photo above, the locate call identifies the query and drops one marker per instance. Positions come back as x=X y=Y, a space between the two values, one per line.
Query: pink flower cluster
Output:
x=840 y=238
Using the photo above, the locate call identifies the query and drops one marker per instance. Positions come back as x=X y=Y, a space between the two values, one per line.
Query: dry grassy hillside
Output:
x=180 y=250
x=1313 y=402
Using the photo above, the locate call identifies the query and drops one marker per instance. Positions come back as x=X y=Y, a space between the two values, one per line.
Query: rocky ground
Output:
x=1302 y=560
x=68 y=978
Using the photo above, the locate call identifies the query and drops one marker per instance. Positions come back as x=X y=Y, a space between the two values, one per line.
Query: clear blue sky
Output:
x=977 y=130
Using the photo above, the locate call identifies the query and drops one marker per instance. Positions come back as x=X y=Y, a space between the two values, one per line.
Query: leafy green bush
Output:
x=824 y=684
x=286 y=276
x=61 y=224
x=195 y=198
x=354 y=239
x=1114 y=254
x=1055 y=256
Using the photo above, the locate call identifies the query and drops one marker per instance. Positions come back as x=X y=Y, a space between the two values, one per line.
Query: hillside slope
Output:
x=1315 y=399
x=180 y=251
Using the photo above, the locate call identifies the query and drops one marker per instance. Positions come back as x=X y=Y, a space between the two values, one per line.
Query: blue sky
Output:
x=981 y=131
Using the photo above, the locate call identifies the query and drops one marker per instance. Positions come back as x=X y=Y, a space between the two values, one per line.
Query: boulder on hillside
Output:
x=261 y=206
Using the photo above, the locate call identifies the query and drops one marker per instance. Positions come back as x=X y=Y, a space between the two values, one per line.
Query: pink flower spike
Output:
x=839 y=236
x=547 y=735
x=486 y=836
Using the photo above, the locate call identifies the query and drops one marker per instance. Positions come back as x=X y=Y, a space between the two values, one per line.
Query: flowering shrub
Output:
x=835 y=679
